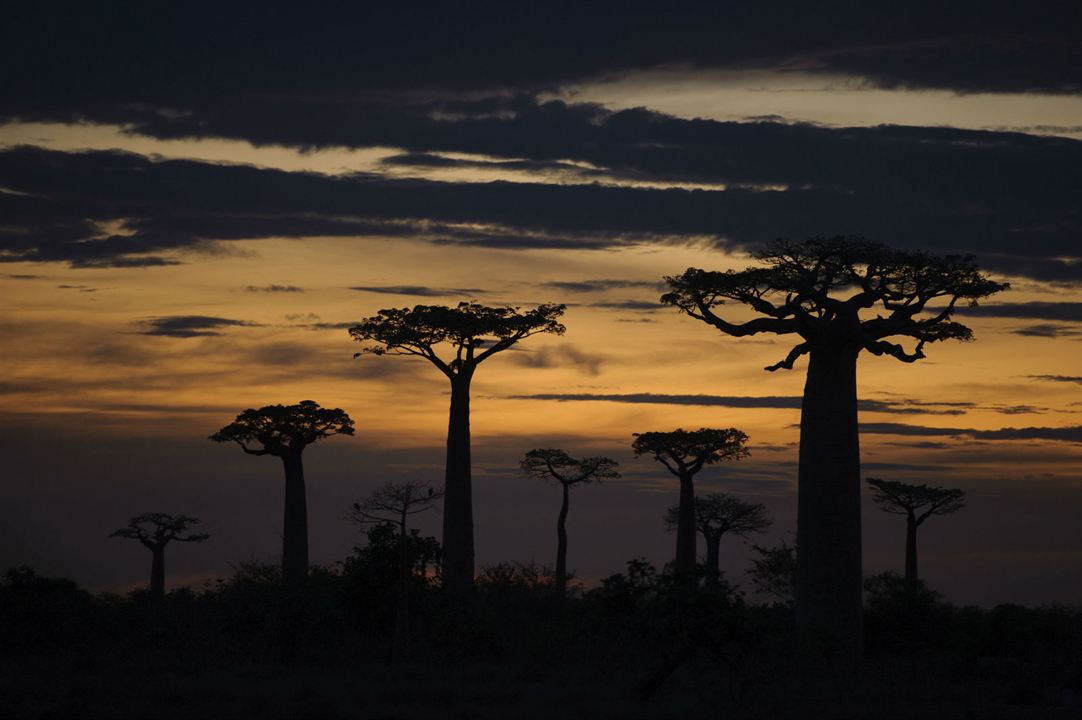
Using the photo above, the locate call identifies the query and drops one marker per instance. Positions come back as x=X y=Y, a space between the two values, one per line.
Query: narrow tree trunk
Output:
x=685 y=528
x=157 y=571
x=294 y=522
x=561 y=543
x=829 y=608
x=458 y=493
x=911 y=549
x=713 y=561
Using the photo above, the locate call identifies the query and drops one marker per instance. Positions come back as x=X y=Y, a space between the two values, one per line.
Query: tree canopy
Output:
x=160 y=529
x=904 y=499
x=720 y=513
x=284 y=429
x=475 y=332
x=558 y=467
x=687 y=451
x=393 y=502
x=816 y=289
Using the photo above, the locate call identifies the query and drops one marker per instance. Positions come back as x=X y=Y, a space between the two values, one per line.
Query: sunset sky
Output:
x=194 y=206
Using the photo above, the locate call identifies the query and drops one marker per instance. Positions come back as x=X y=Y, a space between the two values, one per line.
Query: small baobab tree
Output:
x=684 y=453
x=917 y=503
x=473 y=333
x=155 y=531
x=393 y=504
x=559 y=468
x=717 y=514
x=284 y=431
x=824 y=291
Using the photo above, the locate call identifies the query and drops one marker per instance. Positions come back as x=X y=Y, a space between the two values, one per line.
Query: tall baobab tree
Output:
x=684 y=453
x=474 y=333
x=917 y=503
x=394 y=503
x=284 y=431
x=817 y=290
x=155 y=531
x=717 y=514
x=557 y=467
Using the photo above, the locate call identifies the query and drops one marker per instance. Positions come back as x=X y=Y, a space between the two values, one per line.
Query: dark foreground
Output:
x=638 y=647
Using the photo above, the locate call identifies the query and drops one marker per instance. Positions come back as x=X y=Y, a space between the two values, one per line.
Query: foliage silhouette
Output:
x=917 y=503
x=558 y=467
x=684 y=453
x=155 y=531
x=392 y=504
x=284 y=431
x=474 y=333
x=817 y=289
x=715 y=515
x=773 y=572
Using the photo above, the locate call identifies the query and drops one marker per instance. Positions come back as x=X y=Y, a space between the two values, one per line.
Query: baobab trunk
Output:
x=157 y=571
x=828 y=587
x=561 y=543
x=685 y=528
x=911 y=549
x=294 y=522
x=713 y=562
x=457 y=499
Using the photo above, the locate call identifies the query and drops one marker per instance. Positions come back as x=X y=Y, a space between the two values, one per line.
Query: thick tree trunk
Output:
x=685 y=528
x=911 y=548
x=713 y=561
x=458 y=493
x=157 y=571
x=294 y=522
x=561 y=543
x=829 y=608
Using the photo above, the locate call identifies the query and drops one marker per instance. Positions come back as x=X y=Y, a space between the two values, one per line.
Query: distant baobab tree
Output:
x=684 y=453
x=474 y=333
x=155 y=531
x=717 y=514
x=817 y=290
x=557 y=467
x=917 y=503
x=392 y=504
x=284 y=431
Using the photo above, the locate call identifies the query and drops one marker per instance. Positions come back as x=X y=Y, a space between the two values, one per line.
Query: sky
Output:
x=195 y=205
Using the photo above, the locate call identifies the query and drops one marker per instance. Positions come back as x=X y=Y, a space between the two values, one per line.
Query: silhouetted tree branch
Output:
x=155 y=531
x=471 y=333
x=824 y=291
x=284 y=431
x=558 y=467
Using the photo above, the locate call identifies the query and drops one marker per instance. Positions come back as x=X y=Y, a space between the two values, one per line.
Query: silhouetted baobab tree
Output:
x=558 y=467
x=917 y=503
x=684 y=453
x=284 y=431
x=393 y=504
x=474 y=333
x=155 y=531
x=715 y=515
x=816 y=290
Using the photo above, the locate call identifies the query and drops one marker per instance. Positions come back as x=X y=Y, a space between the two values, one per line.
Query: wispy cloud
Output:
x=187 y=326
x=272 y=288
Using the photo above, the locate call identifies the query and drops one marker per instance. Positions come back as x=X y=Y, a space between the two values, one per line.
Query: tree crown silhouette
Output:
x=160 y=529
x=720 y=513
x=475 y=332
x=284 y=429
x=393 y=502
x=558 y=467
x=904 y=499
x=688 y=451
x=816 y=288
